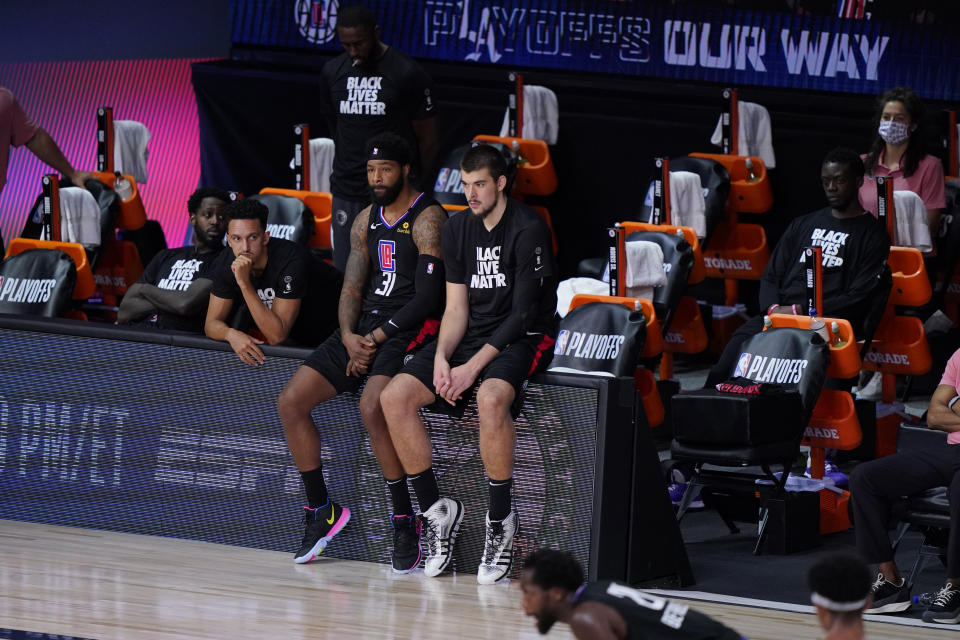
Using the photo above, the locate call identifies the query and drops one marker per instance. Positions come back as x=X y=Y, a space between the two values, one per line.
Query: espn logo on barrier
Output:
x=387 y=249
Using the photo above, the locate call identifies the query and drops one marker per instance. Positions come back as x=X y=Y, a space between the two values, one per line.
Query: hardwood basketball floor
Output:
x=99 y=584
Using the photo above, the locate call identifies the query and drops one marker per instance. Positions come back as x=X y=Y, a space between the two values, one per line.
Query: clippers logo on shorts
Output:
x=770 y=369
x=387 y=249
x=591 y=346
x=29 y=290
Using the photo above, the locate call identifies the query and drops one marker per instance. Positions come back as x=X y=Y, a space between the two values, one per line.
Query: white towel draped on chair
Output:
x=912 y=228
x=79 y=218
x=644 y=268
x=687 y=205
x=572 y=286
x=321 y=163
x=755 y=136
x=130 y=140
x=540 y=115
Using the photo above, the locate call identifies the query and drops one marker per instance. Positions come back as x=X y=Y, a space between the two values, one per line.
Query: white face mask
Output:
x=893 y=132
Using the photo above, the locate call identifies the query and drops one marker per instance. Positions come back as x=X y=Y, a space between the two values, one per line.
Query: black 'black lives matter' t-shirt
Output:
x=175 y=270
x=854 y=253
x=649 y=617
x=291 y=272
x=384 y=95
x=491 y=262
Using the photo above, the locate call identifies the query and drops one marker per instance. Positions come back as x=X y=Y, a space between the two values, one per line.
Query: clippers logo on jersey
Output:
x=387 y=250
x=743 y=365
x=770 y=369
x=591 y=346
x=30 y=290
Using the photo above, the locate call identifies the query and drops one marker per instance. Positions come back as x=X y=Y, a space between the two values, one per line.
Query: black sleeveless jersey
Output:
x=650 y=617
x=393 y=259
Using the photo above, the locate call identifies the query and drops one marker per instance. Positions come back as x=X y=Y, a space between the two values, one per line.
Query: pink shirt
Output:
x=16 y=129
x=951 y=377
x=926 y=182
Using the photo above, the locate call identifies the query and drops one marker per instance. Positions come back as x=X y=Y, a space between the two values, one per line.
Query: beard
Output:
x=483 y=213
x=389 y=196
x=545 y=622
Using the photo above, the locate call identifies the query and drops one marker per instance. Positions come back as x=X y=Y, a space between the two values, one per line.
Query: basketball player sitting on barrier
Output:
x=174 y=289
x=840 y=591
x=392 y=288
x=855 y=248
x=498 y=321
x=554 y=591
x=269 y=286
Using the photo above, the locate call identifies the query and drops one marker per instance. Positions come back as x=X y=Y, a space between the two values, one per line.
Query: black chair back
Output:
x=289 y=218
x=37 y=282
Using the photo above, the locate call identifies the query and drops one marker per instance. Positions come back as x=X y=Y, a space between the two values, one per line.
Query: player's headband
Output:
x=839 y=607
x=388 y=152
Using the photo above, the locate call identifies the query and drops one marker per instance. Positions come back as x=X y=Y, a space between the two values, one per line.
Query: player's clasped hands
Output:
x=451 y=383
x=360 y=350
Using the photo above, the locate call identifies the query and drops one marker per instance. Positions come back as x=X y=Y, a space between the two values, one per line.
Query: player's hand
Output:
x=441 y=375
x=356 y=368
x=241 y=267
x=461 y=379
x=245 y=346
x=79 y=178
x=359 y=348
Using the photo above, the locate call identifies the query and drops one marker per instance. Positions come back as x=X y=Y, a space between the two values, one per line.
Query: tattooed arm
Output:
x=360 y=349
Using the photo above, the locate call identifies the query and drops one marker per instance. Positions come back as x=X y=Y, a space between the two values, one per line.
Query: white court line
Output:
x=796 y=608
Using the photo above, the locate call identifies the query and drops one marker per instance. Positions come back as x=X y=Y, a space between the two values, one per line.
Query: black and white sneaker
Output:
x=889 y=597
x=945 y=607
x=441 y=523
x=498 y=549
x=322 y=524
x=406 y=543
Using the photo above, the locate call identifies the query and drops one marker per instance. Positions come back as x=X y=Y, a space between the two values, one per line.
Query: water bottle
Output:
x=122 y=187
x=767 y=323
x=751 y=172
x=838 y=340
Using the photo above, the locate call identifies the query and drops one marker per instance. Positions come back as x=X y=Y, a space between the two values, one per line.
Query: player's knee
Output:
x=493 y=399
x=369 y=408
x=291 y=404
x=393 y=398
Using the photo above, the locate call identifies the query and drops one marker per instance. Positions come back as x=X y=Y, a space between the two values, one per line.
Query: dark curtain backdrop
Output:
x=610 y=129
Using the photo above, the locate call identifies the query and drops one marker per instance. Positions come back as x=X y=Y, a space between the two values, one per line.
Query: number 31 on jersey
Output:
x=388 y=266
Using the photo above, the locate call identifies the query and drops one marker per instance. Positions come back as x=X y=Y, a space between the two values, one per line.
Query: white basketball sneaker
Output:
x=441 y=523
x=498 y=549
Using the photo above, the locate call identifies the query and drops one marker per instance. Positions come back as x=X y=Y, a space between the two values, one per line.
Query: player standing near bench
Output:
x=498 y=321
x=392 y=286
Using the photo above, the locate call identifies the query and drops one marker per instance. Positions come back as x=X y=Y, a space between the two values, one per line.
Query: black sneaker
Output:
x=889 y=597
x=945 y=607
x=322 y=524
x=406 y=543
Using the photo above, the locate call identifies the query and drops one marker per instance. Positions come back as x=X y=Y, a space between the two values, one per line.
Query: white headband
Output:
x=840 y=607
